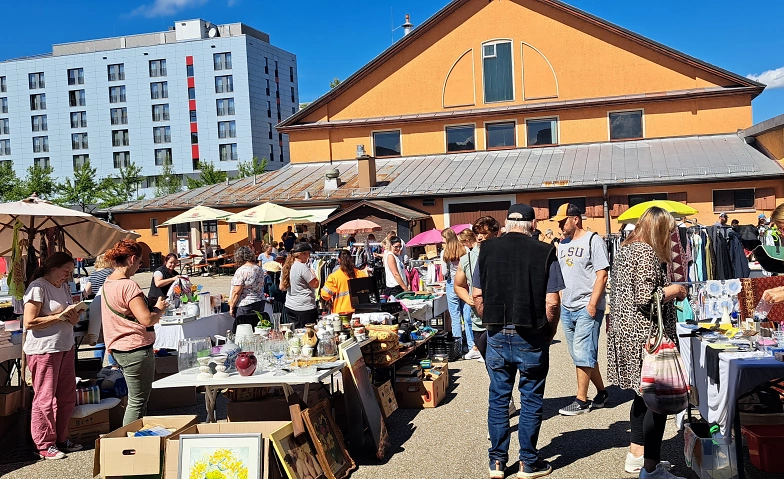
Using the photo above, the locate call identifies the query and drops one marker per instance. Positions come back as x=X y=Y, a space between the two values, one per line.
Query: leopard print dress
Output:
x=636 y=274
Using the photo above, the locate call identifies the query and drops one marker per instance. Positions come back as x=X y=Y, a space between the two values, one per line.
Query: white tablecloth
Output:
x=424 y=310
x=738 y=373
x=168 y=336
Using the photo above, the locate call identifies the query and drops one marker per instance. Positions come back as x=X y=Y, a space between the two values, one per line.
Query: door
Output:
x=460 y=213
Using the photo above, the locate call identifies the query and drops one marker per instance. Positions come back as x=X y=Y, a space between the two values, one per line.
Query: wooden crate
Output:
x=386 y=398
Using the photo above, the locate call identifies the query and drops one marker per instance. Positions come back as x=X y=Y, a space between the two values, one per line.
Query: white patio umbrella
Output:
x=197 y=213
x=268 y=214
x=85 y=235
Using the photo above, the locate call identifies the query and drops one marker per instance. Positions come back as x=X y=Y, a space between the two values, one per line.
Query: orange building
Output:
x=488 y=103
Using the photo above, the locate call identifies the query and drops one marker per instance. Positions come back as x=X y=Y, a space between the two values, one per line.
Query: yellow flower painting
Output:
x=219 y=463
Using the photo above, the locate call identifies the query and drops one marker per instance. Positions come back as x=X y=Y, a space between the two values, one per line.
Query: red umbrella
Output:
x=358 y=226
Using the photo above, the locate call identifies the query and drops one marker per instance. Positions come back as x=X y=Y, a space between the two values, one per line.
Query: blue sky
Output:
x=334 y=39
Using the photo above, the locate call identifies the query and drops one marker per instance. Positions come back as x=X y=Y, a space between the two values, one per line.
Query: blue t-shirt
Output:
x=555 y=281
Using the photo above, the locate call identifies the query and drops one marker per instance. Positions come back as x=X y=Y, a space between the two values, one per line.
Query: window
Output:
x=79 y=119
x=293 y=110
x=40 y=144
x=194 y=138
x=634 y=200
x=122 y=159
x=276 y=70
x=4 y=105
x=189 y=70
x=292 y=94
x=5 y=126
x=269 y=109
x=222 y=61
x=76 y=98
x=160 y=112
x=4 y=85
x=37 y=102
x=278 y=113
x=5 y=147
x=76 y=76
x=163 y=156
x=459 y=138
x=268 y=91
x=191 y=93
x=159 y=90
x=733 y=200
x=280 y=156
x=386 y=143
x=117 y=94
x=232 y=227
x=225 y=107
x=119 y=116
x=154 y=226
x=79 y=141
x=116 y=72
x=291 y=75
x=556 y=203
x=80 y=160
x=272 y=153
x=228 y=152
x=266 y=67
x=42 y=162
x=158 y=68
x=193 y=116
x=39 y=123
x=500 y=135
x=228 y=129
x=625 y=125
x=120 y=138
x=161 y=134
x=195 y=164
x=36 y=80
x=497 y=69
x=224 y=84
x=542 y=131
x=277 y=92
x=270 y=130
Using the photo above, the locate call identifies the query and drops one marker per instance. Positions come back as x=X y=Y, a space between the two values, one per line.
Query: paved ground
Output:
x=450 y=441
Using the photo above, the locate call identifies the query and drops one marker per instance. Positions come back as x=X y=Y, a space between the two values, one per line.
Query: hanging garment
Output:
x=740 y=264
x=413 y=279
x=16 y=277
x=721 y=252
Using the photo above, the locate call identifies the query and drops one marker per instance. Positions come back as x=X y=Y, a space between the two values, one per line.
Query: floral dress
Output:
x=636 y=274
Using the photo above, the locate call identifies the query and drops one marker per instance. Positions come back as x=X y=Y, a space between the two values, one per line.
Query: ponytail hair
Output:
x=123 y=250
x=54 y=261
x=285 y=281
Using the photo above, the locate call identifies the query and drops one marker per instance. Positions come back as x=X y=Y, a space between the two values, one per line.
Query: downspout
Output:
x=606 y=211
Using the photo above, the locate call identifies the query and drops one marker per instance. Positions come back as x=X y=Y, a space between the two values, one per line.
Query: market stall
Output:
x=171 y=330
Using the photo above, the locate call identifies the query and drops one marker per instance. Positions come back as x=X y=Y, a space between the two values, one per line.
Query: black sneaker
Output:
x=576 y=408
x=538 y=469
x=600 y=400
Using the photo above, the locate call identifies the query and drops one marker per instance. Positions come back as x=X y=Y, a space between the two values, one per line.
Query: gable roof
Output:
x=420 y=30
x=402 y=212
x=775 y=123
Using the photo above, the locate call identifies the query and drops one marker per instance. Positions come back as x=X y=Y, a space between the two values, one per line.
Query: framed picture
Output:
x=228 y=456
x=330 y=449
x=297 y=454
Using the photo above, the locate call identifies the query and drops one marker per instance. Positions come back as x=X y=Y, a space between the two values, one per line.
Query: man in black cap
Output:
x=516 y=284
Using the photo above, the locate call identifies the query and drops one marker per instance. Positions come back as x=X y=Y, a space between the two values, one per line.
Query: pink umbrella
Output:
x=428 y=237
x=459 y=228
x=357 y=226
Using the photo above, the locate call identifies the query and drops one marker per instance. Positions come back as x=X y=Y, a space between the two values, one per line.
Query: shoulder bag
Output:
x=663 y=384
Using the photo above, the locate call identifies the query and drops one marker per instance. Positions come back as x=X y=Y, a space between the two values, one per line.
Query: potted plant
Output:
x=264 y=326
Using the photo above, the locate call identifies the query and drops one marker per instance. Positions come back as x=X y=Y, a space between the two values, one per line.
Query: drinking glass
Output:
x=278 y=349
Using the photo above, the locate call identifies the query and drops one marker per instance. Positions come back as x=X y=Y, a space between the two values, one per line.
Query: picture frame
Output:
x=234 y=455
x=297 y=454
x=328 y=440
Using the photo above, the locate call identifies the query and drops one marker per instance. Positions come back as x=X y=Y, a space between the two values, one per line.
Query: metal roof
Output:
x=402 y=212
x=623 y=163
x=765 y=126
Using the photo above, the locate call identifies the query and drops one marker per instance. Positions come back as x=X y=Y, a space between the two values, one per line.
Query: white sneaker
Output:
x=660 y=472
x=473 y=354
x=480 y=359
x=634 y=464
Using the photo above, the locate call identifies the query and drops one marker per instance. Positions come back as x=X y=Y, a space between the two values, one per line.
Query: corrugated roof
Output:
x=402 y=212
x=663 y=160
x=420 y=30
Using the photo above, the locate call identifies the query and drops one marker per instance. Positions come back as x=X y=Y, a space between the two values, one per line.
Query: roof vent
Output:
x=408 y=25
x=366 y=168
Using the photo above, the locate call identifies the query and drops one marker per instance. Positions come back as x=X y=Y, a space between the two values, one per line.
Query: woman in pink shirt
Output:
x=128 y=326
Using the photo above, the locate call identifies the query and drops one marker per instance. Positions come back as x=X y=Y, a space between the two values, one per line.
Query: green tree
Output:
x=39 y=181
x=83 y=190
x=251 y=168
x=335 y=82
x=208 y=175
x=302 y=106
x=168 y=182
x=116 y=190
x=9 y=183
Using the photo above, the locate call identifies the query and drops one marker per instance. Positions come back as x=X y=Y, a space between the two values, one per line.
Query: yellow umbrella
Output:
x=268 y=214
x=676 y=209
x=196 y=214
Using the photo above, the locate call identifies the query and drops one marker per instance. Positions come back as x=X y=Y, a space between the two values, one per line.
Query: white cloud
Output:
x=772 y=78
x=161 y=8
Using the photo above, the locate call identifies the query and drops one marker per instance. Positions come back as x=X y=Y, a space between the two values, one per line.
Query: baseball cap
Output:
x=520 y=212
x=301 y=247
x=762 y=216
x=723 y=214
x=566 y=210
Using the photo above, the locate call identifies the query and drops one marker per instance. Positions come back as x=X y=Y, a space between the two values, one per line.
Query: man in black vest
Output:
x=516 y=284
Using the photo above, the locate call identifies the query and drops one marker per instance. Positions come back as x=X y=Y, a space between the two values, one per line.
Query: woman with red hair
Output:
x=128 y=326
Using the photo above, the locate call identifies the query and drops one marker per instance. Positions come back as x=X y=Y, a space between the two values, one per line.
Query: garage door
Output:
x=460 y=213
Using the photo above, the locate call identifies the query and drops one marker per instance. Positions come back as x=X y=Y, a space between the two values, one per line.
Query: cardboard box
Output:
x=413 y=393
x=90 y=432
x=270 y=468
x=386 y=398
x=10 y=399
x=95 y=418
x=116 y=454
x=271 y=408
x=442 y=365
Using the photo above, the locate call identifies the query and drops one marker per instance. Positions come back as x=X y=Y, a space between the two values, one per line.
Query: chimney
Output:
x=366 y=168
x=407 y=26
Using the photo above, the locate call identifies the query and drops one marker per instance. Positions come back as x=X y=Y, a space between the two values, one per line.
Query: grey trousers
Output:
x=138 y=367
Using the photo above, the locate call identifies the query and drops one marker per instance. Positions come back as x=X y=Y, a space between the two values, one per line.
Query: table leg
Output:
x=210 y=395
x=287 y=390
x=307 y=390
x=739 y=444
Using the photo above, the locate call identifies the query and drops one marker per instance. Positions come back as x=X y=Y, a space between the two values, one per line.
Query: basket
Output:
x=440 y=344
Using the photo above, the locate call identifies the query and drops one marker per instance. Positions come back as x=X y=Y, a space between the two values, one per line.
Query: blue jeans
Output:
x=582 y=335
x=527 y=351
x=459 y=309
